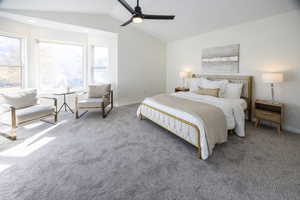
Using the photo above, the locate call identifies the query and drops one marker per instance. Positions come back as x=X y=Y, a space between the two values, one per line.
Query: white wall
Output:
x=142 y=70
x=141 y=57
x=268 y=45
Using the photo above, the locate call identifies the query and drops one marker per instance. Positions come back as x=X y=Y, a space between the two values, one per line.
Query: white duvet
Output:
x=232 y=108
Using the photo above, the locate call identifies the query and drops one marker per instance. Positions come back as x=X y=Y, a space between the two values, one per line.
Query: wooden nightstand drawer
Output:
x=179 y=89
x=266 y=115
x=270 y=111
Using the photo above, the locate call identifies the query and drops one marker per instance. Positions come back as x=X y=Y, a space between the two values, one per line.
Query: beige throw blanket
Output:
x=213 y=117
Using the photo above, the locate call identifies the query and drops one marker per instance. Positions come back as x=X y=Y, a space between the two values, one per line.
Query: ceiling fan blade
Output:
x=127 y=6
x=126 y=23
x=159 y=17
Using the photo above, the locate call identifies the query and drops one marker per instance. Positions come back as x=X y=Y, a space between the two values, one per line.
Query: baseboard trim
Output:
x=285 y=128
x=291 y=129
x=128 y=103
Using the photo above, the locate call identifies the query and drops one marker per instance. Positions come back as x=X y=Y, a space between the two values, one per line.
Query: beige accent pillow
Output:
x=209 y=92
x=97 y=91
x=20 y=99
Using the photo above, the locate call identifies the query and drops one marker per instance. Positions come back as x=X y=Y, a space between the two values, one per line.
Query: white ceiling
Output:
x=192 y=16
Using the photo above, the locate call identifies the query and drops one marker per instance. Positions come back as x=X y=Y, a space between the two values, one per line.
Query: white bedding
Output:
x=232 y=108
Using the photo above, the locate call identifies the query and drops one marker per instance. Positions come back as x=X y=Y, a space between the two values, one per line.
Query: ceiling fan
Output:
x=138 y=16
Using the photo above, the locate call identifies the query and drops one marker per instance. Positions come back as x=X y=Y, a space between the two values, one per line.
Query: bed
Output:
x=201 y=120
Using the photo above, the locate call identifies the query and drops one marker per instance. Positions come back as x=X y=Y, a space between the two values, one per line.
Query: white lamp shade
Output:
x=272 y=77
x=184 y=74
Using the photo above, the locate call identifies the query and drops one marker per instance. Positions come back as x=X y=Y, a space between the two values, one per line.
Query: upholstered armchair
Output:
x=98 y=97
x=17 y=108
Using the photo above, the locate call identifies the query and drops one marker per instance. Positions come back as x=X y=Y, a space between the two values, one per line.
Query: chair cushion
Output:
x=97 y=91
x=90 y=103
x=28 y=114
x=20 y=99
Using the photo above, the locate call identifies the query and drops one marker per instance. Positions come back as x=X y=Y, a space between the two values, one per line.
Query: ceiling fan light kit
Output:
x=138 y=16
x=137 y=20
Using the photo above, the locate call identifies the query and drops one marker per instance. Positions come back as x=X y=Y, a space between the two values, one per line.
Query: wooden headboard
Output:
x=247 y=88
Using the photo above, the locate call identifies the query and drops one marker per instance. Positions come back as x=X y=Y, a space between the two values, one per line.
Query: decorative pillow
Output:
x=209 y=92
x=233 y=91
x=208 y=84
x=97 y=91
x=20 y=99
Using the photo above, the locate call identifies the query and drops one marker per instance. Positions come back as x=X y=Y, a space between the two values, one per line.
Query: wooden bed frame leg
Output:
x=199 y=153
x=141 y=117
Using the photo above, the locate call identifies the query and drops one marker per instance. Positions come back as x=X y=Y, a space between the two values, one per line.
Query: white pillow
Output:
x=208 y=84
x=20 y=99
x=97 y=91
x=233 y=91
x=194 y=84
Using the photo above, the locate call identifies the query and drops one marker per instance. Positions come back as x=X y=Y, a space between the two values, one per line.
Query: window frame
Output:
x=93 y=60
x=84 y=65
x=23 y=60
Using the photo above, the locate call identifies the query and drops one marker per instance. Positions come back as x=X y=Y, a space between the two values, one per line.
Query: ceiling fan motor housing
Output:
x=138 y=10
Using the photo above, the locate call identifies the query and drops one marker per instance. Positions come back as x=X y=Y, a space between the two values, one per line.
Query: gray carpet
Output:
x=122 y=157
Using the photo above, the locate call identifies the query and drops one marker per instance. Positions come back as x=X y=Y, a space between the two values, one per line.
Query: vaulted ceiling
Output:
x=192 y=16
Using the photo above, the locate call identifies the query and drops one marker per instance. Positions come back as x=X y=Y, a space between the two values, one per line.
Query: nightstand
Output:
x=266 y=110
x=181 y=89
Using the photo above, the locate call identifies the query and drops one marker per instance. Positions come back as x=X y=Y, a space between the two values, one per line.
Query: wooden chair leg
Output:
x=76 y=108
x=56 y=113
x=103 y=110
x=76 y=114
x=13 y=135
x=103 y=106
x=55 y=117
x=112 y=99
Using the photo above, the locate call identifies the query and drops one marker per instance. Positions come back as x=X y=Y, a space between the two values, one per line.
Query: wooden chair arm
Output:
x=108 y=95
x=6 y=108
x=81 y=93
x=53 y=99
x=12 y=110
x=50 y=98
x=78 y=95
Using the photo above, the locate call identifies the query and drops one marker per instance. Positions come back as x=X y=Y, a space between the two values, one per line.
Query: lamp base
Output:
x=272 y=92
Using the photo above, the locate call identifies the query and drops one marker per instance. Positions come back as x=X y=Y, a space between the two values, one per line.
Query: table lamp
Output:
x=272 y=78
x=183 y=76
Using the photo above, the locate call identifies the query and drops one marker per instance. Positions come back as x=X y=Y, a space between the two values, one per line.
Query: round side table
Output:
x=64 y=105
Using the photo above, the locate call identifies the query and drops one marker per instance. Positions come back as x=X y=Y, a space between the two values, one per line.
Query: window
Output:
x=60 y=66
x=100 y=63
x=10 y=62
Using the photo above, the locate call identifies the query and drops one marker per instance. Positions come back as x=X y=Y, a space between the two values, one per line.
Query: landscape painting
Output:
x=223 y=59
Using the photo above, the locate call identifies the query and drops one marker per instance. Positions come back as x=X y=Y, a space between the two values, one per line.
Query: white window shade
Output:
x=10 y=62
x=60 y=66
x=100 y=64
